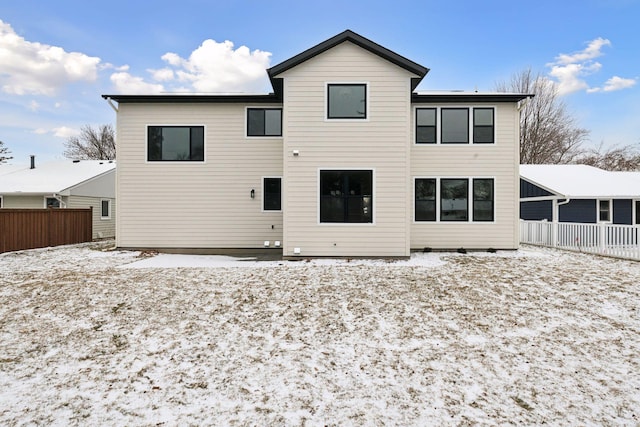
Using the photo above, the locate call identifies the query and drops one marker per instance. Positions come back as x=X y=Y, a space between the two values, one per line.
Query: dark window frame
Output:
x=416 y=200
x=476 y=135
x=102 y=215
x=51 y=206
x=473 y=212
x=268 y=202
x=443 y=193
x=418 y=126
x=194 y=154
x=364 y=115
x=443 y=128
x=344 y=197
x=475 y=198
x=263 y=133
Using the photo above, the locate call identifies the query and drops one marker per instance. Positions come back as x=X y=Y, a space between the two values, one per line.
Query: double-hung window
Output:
x=425 y=204
x=264 y=122
x=454 y=199
x=426 y=125
x=346 y=101
x=604 y=210
x=346 y=196
x=175 y=143
x=483 y=126
x=272 y=194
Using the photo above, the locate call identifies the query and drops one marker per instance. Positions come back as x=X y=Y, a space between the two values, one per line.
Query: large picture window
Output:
x=455 y=125
x=272 y=194
x=425 y=204
x=175 y=143
x=426 y=125
x=346 y=196
x=346 y=101
x=264 y=122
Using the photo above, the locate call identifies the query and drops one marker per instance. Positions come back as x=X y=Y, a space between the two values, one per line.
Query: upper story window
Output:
x=483 y=126
x=426 y=126
x=346 y=101
x=455 y=125
x=175 y=143
x=264 y=122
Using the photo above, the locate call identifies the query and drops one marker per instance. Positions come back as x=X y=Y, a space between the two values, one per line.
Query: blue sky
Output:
x=58 y=57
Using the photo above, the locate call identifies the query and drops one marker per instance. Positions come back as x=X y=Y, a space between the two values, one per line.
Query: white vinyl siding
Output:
x=380 y=143
x=499 y=161
x=102 y=228
x=195 y=204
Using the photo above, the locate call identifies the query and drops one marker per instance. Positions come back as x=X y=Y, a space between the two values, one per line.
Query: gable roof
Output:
x=358 y=40
x=53 y=177
x=582 y=181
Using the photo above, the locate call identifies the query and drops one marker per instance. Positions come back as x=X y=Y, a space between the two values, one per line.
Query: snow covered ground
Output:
x=96 y=337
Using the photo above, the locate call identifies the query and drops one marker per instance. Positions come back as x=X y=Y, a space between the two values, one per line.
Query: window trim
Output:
x=1 y=202
x=262 y=209
x=108 y=209
x=373 y=198
x=636 y=212
x=470 y=200
x=174 y=162
x=367 y=111
x=609 y=211
x=246 y=122
x=470 y=108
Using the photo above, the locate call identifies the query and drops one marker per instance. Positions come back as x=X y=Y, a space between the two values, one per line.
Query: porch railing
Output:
x=620 y=241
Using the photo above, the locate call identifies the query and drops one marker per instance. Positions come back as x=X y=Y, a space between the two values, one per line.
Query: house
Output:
x=579 y=193
x=63 y=184
x=344 y=158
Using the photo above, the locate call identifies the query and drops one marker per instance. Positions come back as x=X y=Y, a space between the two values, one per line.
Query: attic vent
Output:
x=76 y=161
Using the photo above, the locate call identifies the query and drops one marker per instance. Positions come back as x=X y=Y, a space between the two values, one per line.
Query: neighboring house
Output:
x=579 y=193
x=343 y=159
x=64 y=184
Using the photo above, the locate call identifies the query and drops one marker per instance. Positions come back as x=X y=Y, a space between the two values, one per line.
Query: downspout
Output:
x=112 y=105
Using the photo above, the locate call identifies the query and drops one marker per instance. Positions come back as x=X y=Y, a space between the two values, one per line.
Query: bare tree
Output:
x=548 y=133
x=92 y=144
x=616 y=158
x=4 y=153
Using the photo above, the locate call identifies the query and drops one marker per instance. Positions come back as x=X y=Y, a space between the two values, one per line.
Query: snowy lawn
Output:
x=93 y=337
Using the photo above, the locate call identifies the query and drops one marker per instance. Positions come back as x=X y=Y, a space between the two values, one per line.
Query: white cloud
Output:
x=593 y=50
x=618 y=83
x=60 y=132
x=39 y=69
x=571 y=70
x=126 y=83
x=212 y=67
x=65 y=132
x=34 y=106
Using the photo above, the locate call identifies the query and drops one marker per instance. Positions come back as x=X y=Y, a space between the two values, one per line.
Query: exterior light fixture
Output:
x=253 y=193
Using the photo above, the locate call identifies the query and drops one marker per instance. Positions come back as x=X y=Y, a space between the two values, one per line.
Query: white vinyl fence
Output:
x=620 y=241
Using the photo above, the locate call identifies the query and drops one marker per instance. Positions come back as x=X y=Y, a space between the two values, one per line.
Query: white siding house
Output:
x=64 y=184
x=344 y=158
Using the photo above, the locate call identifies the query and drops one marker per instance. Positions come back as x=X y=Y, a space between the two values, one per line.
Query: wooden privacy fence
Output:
x=620 y=241
x=38 y=228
